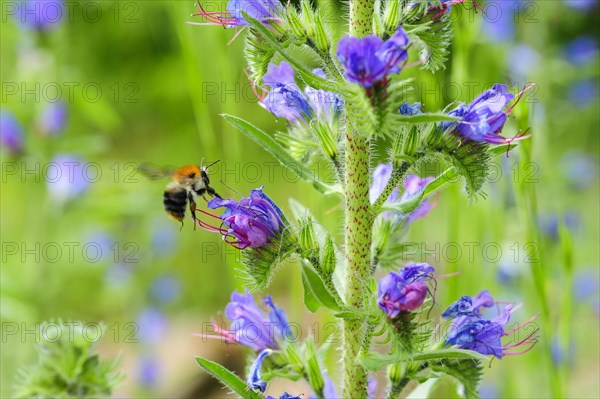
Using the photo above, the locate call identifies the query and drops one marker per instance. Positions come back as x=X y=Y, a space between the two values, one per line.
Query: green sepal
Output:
x=281 y=154
x=227 y=378
x=467 y=372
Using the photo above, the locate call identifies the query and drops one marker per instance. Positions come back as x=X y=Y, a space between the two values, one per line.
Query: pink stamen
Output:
x=531 y=320
x=439 y=276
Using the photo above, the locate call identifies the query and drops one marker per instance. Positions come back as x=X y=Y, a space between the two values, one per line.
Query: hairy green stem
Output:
x=359 y=223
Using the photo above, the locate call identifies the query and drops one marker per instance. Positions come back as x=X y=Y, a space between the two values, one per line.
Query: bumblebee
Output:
x=188 y=183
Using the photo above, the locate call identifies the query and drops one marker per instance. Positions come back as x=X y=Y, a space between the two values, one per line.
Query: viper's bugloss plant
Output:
x=349 y=99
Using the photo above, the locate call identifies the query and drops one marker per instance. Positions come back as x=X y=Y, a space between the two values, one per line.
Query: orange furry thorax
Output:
x=188 y=171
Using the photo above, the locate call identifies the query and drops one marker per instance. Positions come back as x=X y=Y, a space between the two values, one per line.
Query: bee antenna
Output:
x=231 y=189
x=212 y=164
x=201 y=163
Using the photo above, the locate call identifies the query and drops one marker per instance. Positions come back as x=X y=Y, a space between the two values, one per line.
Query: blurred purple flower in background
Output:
x=584 y=92
x=582 y=50
x=42 y=15
x=581 y=169
x=118 y=275
x=165 y=288
x=66 y=177
x=369 y=60
x=413 y=186
x=99 y=247
x=148 y=371
x=11 y=132
x=499 y=18
x=586 y=284
x=522 y=60
x=152 y=325
x=549 y=223
x=53 y=119
x=582 y=5
x=164 y=239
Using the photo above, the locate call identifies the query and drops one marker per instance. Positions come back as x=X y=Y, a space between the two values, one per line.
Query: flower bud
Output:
x=315 y=375
x=295 y=23
x=396 y=372
x=308 y=18
x=411 y=143
x=391 y=16
x=321 y=37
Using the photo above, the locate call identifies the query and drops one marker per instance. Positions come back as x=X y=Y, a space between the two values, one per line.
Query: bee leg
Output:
x=212 y=192
x=192 y=208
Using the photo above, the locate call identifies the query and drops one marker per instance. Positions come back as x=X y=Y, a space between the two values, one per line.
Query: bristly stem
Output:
x=358 y=226
x=395 y=180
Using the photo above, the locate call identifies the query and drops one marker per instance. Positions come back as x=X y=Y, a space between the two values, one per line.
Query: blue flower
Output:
x=522 y=59
x=11 y=133
x=405 y=290
x=42 y=15
x=265 y=11
x=149 y=370
x=165 y=288
x=582 y=50
x=582 y=5
x=286 y=100
x=66 y=178
x=286 y=395
x=580 y=169
x=53 y=119
x=254 y=379
x=369 y=60
x=484 y=118
x=471 y=330
x=407 y=109
x=250 y=222
x=152 y=325
x=583 y=92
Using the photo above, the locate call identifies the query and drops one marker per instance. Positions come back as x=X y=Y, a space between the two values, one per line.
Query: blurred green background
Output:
x=139 y=84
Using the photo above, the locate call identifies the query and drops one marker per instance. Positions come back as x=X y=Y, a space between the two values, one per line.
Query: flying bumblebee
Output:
x=189 y=182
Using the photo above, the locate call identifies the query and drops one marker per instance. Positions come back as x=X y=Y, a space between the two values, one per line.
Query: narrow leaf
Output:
x=374 y=361
x=425 y=118
x=309 y=77
x=227 y=378
x=269 y=144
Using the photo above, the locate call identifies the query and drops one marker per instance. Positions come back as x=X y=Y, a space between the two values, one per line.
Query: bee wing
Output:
x=155 y=172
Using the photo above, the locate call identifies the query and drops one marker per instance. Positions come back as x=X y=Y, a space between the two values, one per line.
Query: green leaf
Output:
x=269 y=144
x=307 y=75
x=373 y=361
x=502 y=149
x=227 y=378
x=316 y=292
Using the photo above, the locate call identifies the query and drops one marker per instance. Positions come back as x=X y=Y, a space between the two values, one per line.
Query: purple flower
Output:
x=149 y=370
x=582 y=50
x=584 y=92
x=165 y=288
x=413 y=185
x=286 y=100
x=580 y=169
x=66 y=178
x=42 y=15
x=265 y=11
x=369 y=60
x=471 y=330
x=118 y=275
x=163 y=238
x=405 y=290
x=286 y=395
x=522 y=59
x=53 y=119
x=484 y=118
x=250 y=222
x=250 y=326
x=329 y=391
x=11 y=133
x=254 y=379
x=152 y=325
x=499 y=20
x=371 y=388
x=98 y=247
